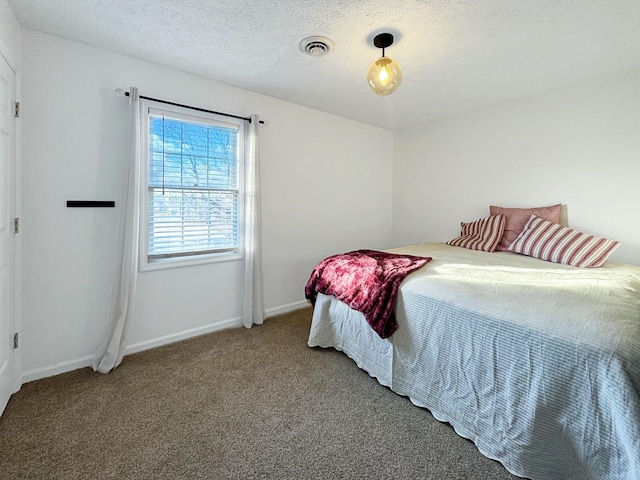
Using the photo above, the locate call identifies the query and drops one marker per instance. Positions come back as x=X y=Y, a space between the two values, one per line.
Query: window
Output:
x=193 y=186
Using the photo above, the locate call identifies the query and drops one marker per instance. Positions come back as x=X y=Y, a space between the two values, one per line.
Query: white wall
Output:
x=579 y=146
x=326 y=189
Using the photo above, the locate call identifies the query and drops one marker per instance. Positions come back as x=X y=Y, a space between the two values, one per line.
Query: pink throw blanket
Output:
x=367 y=281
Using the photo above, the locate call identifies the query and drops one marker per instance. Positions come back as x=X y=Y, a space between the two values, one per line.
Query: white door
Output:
x=7 y=181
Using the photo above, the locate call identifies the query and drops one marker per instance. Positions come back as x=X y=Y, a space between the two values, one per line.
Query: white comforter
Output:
x=537 y=363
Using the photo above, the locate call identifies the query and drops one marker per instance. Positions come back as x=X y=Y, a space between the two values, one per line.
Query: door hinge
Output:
x=16 y=225
x=17 y=109
x=15 y=340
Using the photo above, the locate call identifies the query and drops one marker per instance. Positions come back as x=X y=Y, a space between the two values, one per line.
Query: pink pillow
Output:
x=555 y=243
x=517 y=217
x=483 y=234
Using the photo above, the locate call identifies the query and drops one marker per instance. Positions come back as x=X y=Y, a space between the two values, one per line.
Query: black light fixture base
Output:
x=383 y=40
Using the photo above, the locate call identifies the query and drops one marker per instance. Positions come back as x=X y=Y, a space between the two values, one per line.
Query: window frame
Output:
x=203 y=118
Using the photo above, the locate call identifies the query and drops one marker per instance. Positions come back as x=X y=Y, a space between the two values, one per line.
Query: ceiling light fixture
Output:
x=384 y=75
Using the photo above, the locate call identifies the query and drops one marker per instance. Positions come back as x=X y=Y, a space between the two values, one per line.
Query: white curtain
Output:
x=253 y=305
x=111 y=352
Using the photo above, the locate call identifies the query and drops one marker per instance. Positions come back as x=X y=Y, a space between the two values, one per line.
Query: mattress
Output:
x=537 y=363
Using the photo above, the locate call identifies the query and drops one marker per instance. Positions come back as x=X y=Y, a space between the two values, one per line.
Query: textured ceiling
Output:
x=456 y=55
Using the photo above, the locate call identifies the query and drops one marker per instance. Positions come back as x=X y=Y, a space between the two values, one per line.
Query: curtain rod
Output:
x=120 y=91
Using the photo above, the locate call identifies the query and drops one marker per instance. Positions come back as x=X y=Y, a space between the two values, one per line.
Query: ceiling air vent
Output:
x=316 y=46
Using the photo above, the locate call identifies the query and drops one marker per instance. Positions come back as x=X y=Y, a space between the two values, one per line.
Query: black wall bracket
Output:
x=91 y=203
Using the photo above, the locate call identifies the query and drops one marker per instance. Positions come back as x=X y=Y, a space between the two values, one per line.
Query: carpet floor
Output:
x=235 y=404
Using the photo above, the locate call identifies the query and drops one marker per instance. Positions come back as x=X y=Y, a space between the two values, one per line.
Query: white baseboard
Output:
x=68 y=366
x=176 y=337
x=56 y=369
x=272 y=312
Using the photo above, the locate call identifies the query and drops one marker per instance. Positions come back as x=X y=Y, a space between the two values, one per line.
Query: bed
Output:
x=537 y=363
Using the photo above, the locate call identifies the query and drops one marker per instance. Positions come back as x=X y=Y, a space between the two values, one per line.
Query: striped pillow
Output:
x=555 y=243
x=483 y=234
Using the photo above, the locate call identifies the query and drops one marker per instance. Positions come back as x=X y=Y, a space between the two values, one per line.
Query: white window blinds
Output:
x=193 y=191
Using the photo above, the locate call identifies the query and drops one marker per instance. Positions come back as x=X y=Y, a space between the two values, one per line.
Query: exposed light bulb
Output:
x=384 y=76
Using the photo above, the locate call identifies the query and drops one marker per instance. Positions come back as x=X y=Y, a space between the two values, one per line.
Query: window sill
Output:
x=146 y=266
